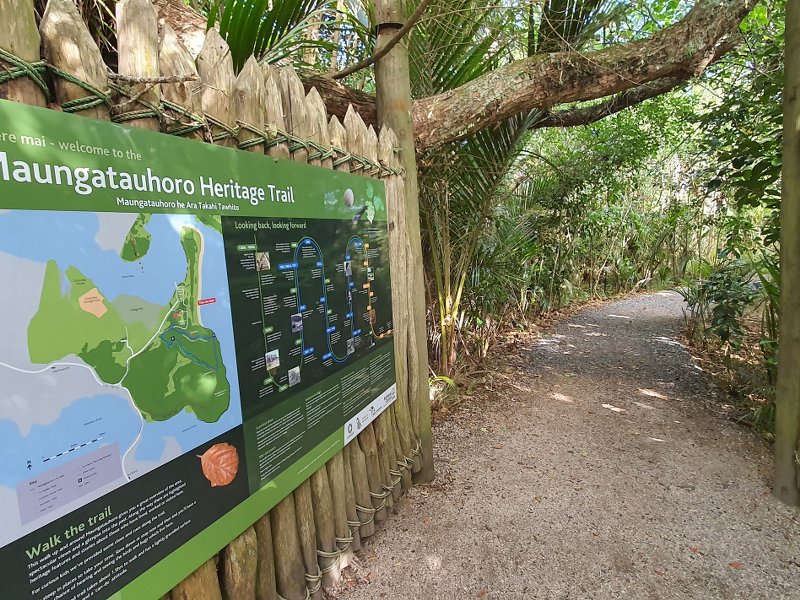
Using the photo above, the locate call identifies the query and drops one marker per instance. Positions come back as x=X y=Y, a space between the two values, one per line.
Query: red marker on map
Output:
x=206 y=301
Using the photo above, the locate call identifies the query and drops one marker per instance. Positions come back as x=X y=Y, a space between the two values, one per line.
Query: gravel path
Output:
x=604 y=467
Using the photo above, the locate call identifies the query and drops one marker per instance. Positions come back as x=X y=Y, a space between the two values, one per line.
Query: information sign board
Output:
x=188 y=332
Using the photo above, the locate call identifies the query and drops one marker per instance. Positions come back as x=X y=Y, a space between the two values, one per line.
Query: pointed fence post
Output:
x=182 y=106
x=69 y=46
x=248 y=106
x=215 y=66
x=137 y=55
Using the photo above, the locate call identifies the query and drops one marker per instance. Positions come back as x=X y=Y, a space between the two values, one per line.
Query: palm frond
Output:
x=261 y=27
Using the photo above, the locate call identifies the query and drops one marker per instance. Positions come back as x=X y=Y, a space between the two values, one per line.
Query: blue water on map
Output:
x=69 y=239
x=105 y=416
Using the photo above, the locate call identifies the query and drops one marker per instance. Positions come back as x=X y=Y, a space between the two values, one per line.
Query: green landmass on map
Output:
x=137 y=242
x=163 y=355
x=213 y=221
x=80 y=322
x=182 y=368
x=104 y=360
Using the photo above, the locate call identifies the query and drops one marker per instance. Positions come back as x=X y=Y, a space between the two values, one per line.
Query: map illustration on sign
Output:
x=122 y=356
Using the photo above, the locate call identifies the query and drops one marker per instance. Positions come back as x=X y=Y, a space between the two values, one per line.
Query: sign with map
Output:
x=189 y=331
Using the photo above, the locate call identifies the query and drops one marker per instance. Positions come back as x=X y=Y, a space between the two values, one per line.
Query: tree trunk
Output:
x=787 y=417
x=393 y=88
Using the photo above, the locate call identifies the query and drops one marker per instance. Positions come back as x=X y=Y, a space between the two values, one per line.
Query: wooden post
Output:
x=215 y=66
x=248 y=103
x=203 y=584
x=273 y=110
x=393 y=92
x=405 y=472
x=358 y=465
x=353 y=519
x=383 y=438
x=266 y=588
x=324 y=522
x=238 y=567
x=336 y=476
x=293 y=95
x=20 y=37
x=289 y=571
x=175 y=61
x=137 y=57
x=402 y=430
x=304 y=509
x=787 y=397
x=69 y=46
x=318 y=125
x=374 y=476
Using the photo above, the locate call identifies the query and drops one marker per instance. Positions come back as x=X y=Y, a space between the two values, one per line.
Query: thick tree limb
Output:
x=544 y=81
x=573 y=117
x=681 y=51
x=338 y=97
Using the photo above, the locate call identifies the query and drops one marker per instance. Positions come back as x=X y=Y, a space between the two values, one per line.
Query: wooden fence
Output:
x=302 y=543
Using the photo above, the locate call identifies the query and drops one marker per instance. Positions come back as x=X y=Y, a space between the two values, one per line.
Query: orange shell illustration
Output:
x=220 y=464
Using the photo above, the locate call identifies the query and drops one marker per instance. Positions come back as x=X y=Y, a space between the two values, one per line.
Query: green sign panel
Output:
x=189 y=332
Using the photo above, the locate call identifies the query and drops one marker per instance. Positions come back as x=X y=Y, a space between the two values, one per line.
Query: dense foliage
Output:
x=518 y=220
x=734 y=303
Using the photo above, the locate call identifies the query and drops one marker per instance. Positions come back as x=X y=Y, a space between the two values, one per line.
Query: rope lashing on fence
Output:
x=23 y=68
x=220 y=131
x=367 y=511
x=227 y=132
x=343 y=543
x=182 y=127
x=336 y=555
x=382 y=495
x=308 y=595
x=314 y=580
x=95 y=97
x=148 y=110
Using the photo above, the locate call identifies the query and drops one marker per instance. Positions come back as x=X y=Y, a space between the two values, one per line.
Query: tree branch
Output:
x=573 y=117
x=389 y=45
x=543 y=81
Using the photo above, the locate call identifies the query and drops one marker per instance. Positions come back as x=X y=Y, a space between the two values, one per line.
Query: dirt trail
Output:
x=605 y=468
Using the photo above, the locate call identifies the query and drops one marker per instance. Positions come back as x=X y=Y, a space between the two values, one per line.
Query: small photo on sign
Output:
x=351 y=347
x=294 y=376
x=370 y=274
x=297 y=323
x=273 y=358
x=348 y=268
x=262 y=261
